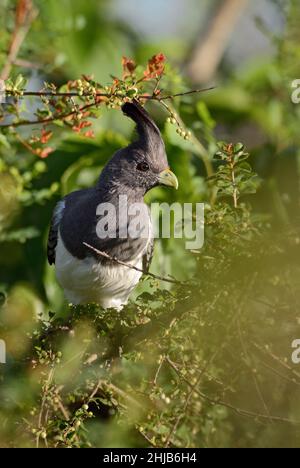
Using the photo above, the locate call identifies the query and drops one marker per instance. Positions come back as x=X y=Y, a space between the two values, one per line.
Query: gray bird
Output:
x=84 y=275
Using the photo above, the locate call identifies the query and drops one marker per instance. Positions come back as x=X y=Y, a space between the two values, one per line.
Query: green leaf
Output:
x=20 y=82
x=238 y=147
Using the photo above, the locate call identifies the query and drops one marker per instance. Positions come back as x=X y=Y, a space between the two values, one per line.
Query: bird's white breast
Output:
x=88 y=280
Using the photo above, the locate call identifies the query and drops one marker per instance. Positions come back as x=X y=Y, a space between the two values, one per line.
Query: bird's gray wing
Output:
x=147 y=257
x=53 y=231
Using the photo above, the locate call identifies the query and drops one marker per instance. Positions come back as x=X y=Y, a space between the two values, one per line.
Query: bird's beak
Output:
x=167 y=177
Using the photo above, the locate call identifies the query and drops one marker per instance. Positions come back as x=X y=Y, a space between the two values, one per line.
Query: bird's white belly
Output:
x=87 y=280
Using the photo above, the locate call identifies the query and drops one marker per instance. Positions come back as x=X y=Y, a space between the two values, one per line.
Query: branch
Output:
x=25 y=15
x=86 y=106
x=186 y=93
x=128 y=265
x=216 y=401
x=210 y=46
x=49 y=119
x=108 y=95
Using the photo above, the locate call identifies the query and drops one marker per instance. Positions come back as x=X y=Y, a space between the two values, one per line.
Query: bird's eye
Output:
x=143 y=166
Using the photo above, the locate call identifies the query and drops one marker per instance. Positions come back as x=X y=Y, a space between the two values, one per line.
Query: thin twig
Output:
x=121 y=393
x=94 y=392
x=182 y=416
x=86 y=106
x=146 y=438
x=179 y=419
x=239 y=411
x=249 y=359
x=162 y=360
x=27 y=64
x=128 y=265
x=76 y=94
x=63 y=410
x=46 y=387
x=186 y=93
x=279 y=374
x=276 y=358
x=235 y=190
x=48 y=119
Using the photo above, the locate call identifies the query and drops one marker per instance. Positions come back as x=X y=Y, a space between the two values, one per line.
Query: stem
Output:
x=235 y=194
x=217 y=401
x=48 y=119
x=74 y=94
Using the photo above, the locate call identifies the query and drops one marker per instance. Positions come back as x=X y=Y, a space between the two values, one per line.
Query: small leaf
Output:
x=238 y=147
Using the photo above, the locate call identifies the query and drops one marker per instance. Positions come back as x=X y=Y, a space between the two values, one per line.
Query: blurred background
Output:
x=248 y=289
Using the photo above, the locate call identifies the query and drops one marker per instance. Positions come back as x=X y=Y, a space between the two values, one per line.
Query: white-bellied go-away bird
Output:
x=90 y=215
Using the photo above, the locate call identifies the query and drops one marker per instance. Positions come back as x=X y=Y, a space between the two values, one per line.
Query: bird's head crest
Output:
x=150 y=139
x=143 y=164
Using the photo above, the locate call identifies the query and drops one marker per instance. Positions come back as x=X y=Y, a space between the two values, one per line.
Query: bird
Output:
x=84 y=275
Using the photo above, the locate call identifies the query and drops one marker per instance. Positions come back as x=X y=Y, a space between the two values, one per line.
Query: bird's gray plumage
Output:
x=75 y=217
